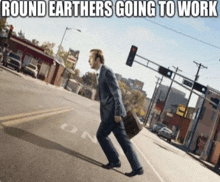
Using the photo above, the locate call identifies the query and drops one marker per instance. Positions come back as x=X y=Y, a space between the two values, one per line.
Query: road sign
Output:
x=187 y=83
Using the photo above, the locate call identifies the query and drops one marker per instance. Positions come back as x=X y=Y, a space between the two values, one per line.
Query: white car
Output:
x=13 y=60
x=157 y=127
x=31 y=69
x=165 y=133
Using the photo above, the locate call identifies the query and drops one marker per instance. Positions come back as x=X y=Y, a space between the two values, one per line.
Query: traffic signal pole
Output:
x=196 y=78
x=191 y=91
x=168 y=73
x=173 y=80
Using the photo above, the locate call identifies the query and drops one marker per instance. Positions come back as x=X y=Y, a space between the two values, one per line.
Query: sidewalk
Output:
x=195 y=157
x=205 y=163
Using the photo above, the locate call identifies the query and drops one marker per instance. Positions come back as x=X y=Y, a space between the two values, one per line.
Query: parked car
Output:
x=165 y=133
x=13 y=60
x=157 y=127
x=31 y=69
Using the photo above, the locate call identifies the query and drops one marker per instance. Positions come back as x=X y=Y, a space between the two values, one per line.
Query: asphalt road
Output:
x=48 y=134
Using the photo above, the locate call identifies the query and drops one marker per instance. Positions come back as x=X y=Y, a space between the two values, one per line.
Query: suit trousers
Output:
x=118 y=129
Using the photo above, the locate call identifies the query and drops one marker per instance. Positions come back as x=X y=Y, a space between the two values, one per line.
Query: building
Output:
x=175 y=97
x=206 y=122
x=132 y=84
x=176 y=122
x=50 y=70
x=118 y=76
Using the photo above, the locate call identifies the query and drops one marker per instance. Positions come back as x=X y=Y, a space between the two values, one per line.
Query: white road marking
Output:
x=69 y=128
x=94 y=139
x=72 y=129
x=155 y=171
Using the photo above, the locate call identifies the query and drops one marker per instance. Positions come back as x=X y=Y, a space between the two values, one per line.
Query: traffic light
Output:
x=165 y=72
x=216 y=101
x=131 y=55
x=199 y=87
x=10 y=31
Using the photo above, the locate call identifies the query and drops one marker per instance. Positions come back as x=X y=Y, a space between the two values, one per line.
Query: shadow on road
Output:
x=42 y=142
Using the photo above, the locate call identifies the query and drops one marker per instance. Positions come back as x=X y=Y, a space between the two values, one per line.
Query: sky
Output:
x=162 y=40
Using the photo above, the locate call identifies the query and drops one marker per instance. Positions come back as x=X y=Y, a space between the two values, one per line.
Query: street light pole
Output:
x=64 y=36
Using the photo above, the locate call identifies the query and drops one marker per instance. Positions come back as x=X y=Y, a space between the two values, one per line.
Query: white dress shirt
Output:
x=98 y=73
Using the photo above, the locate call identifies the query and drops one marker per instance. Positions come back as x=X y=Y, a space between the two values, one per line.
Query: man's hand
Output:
x=118 y=119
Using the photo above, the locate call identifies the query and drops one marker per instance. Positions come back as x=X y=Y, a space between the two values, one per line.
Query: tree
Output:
x=125 y=91
x=63 y=54
x=76 y=76
x=21 y=35
x=35 y=42
x=48 y=47
x=90 y=79
x=133 y=100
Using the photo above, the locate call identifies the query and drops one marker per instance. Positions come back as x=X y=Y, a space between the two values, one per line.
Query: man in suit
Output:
x=112 y=110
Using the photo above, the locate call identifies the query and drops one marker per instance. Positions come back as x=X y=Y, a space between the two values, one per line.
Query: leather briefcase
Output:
x=132 y=124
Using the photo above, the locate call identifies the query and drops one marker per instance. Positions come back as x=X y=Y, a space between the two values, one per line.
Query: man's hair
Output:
x=99 y=54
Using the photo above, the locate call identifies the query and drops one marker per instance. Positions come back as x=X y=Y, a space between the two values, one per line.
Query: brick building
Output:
x=206 y=122
x=50 y=70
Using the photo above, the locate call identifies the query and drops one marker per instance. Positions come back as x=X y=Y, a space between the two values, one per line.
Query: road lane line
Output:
x=155 y=171
x=27 y=119
x=22 y=115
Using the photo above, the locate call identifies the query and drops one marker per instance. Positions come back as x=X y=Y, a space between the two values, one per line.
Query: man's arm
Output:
x=115 y=91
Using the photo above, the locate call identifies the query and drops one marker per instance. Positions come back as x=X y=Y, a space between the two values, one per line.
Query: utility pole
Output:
x=196 y=78
x=168 y=92
x=153 y=99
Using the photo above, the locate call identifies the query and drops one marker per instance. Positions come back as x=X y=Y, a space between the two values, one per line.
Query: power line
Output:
x=181 y=33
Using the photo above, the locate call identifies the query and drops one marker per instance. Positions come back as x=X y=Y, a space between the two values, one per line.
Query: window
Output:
x=32 y=66
x=14 y=56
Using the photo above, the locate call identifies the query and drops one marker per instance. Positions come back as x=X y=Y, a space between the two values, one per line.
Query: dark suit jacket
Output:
x=110 y=95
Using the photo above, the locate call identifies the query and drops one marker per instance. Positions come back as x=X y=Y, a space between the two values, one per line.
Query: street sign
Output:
x=187 y=83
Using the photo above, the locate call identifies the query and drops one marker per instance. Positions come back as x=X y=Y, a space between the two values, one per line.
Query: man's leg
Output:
x=127 y=146
x=106 y=144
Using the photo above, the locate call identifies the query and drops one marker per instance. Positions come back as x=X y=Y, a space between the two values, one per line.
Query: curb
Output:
x=204 y=163
x=11 y=71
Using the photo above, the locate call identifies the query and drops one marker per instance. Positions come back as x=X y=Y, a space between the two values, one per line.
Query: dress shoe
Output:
x=139 y=171
x=112 y=165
